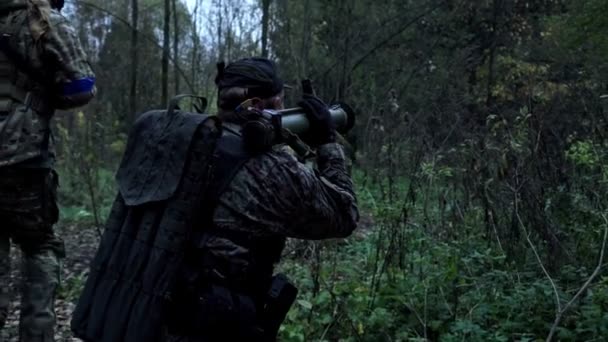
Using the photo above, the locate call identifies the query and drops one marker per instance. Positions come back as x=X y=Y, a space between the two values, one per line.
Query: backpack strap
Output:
x=229 y=157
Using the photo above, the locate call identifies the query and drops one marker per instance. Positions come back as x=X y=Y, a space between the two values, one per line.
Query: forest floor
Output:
x=80 y=245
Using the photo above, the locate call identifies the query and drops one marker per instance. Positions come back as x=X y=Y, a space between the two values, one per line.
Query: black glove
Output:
x=322 y=129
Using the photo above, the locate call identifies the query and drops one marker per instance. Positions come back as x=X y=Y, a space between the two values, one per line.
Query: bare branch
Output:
x=146 y=37
x=390 y=37
x=538 y=259
x=585 y=286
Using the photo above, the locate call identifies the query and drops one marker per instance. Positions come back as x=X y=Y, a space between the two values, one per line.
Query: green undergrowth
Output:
x=85 y=198
x=402 y=279
x=460 y=291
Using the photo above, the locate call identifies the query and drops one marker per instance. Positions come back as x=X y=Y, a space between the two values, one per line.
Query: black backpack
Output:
x=167 y=185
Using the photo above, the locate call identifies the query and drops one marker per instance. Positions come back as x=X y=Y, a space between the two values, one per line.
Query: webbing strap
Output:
x=230 y=155
x=228 y=158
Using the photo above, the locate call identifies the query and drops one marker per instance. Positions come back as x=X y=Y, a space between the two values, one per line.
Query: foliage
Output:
x=435 y=289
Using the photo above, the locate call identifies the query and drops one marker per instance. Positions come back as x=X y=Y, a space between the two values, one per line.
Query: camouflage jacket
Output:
x=43 y=67
x=274 y=196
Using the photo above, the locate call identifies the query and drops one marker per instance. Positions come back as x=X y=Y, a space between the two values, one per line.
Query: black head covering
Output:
x=258 y=75
x=57 y=4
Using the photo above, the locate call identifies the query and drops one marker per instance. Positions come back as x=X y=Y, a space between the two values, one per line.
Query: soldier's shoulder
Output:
x=272 y=163
x=275 y=157
x=61 y=27
x=264 y=170
x=284 y=156
x=332 y=150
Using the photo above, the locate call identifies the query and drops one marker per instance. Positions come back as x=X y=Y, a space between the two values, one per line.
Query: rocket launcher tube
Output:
x=295 y=120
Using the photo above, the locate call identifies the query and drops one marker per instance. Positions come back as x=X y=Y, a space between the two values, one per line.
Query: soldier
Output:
x=273 y=196
x=189 y=266
x=42 y=68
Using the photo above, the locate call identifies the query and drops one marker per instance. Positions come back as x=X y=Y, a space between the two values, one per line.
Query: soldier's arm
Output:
x=73 y=75
x=324 y=204
x=276 y=194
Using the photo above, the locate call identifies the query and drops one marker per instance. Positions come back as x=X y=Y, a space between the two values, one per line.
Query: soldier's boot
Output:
x=40 y=281
x=5 y=270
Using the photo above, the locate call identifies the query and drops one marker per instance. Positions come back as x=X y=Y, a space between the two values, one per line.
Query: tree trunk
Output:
x=492 y=57
x=175 y=47
x=306 y=43
x=165 y=59
x=195 y=43
x=220 y=46
x=265 y=23
x=134 y=61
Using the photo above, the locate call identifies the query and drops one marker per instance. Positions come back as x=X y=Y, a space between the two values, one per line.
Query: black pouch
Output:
x=216 y=314
x=280 y=297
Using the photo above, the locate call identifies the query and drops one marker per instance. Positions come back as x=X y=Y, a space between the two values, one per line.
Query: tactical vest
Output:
x=24 y=113
x=264 y=252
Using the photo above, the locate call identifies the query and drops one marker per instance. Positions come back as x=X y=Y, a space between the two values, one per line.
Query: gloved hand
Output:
x=322 y=129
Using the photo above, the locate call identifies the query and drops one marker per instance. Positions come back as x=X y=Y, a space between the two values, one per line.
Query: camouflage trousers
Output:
x=28 y=211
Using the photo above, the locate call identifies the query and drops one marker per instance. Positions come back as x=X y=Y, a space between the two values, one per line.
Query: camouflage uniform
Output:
x=42 y=68
x=272 y=197
x=228 y=290
x=275 y=194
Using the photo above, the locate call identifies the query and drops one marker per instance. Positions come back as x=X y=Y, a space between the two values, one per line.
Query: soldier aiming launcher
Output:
x=162 y=184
